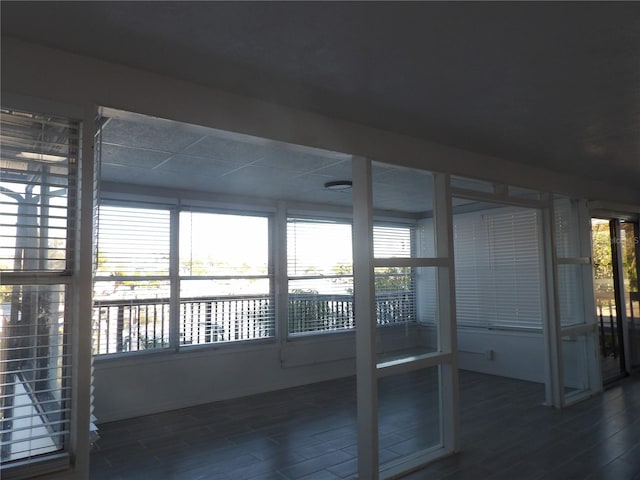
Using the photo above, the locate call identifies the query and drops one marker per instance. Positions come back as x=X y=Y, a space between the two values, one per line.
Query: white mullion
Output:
x=279 y=250
x=82 y=333
x=551 y=328
x=588 y=297
x=364 y=305
x=174 y=278
x=446 y=318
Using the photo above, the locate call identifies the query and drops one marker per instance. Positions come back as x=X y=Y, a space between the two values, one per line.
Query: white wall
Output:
x=129 y=387
x=518 y=355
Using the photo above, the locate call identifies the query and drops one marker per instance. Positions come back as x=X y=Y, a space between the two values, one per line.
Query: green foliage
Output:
x=602 y=254
x=393 y=279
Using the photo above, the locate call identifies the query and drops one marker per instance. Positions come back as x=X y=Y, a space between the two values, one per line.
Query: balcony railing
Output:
x=141 y=324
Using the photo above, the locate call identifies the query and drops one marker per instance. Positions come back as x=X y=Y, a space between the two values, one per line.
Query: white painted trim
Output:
x=446 y=314
x=365 y=319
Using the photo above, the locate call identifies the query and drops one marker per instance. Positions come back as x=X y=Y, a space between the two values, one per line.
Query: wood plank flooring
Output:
x=309 y=432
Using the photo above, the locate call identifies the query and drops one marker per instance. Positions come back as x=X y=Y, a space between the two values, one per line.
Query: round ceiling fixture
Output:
x=339 y=185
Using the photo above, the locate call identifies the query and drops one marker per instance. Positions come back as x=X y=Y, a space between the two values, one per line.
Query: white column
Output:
x=82 y=314
x=446 y=318
x=551 y=326
x=365 y=319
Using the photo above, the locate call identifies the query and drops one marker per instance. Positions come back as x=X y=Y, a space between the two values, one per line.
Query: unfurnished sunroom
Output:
x=225 y=264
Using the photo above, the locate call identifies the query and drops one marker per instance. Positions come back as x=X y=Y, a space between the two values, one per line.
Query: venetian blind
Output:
x=132 y=241
x=38 y=181
x=498 y=269
x=38 y=164
x=320 y=275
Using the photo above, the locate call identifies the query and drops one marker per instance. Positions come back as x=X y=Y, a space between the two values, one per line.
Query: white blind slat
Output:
x=498 y=270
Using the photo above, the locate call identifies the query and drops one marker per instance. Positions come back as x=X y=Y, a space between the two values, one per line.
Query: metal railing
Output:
x=140 y=324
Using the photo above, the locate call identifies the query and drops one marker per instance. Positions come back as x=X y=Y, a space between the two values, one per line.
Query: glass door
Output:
x=629 y=246
x=615 y=258
x=405 y=327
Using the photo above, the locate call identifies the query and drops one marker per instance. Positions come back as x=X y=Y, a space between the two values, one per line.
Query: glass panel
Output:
x=407 y=194
x=321 y=305
x=37 y=176
x=409 y=414
x=575 y=354
x=221 y=244
x=393 y=241
x=320 y=286
x=34 y=371
x=225 y=310
x=629 y=246
x=130 y=316
x=567 y=239
x=609 y=323
x=132 y=241
x=525 y=193
x=570 y=292
x=498 y=267
x=472 y=184
x=403 y=190
x=406 y=312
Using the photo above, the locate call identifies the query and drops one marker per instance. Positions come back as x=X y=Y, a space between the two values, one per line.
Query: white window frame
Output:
x=78 y=299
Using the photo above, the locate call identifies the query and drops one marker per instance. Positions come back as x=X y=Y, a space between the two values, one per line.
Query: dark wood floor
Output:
x=309 y=433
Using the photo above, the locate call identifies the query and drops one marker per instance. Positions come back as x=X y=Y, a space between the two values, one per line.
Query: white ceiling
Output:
x=554 y=84
x=141 y=150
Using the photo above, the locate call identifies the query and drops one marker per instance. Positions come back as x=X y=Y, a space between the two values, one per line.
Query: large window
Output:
x=320 y=275
x=38 y=179
x=225 y=285
x=320 y=271
x=132 y=288
x=220 y=271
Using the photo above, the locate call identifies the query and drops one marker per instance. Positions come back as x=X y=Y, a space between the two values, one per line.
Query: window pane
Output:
x=566 y=228
x=576 y=351
x=525 y=193
x=409 y=412
x=498 y=268
x=320 y=269
x=37 y=180
x=390 y=241
x=570 y=294
x=130 y=316
x=318 y=248
x=472 y=184
x=34 y=371
x=401 y=189
x=221 y=244
x=321 y=305
x=405 y=310
x=225 y=310
x=132 y=241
